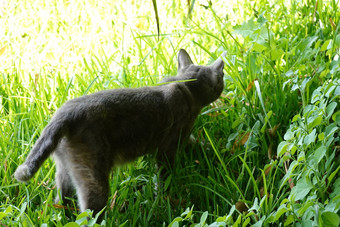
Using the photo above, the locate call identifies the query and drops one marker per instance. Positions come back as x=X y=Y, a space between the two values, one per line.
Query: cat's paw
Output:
x=22 y=173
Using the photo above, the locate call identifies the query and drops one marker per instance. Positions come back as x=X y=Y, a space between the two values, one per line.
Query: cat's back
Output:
x=153 y=98
x=145 y=109
x=115 y=101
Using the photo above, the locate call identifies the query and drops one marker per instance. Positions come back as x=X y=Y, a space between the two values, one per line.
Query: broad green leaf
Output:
x=330 y=108
x=336 y=117
x=315 y=96
x=292 y=148
x=325 y=45
x=289 y=134
x=214 y=224
x=301 y=190
x=281 y=210
x=283 y=43
x=249 y=214
x=204 y=217
x=310 y=138
x=329 y=90
x=232 y=136
x=335 y=195
x=84 y=214
x=253 y=30
x=292 y=166
x=261 y=19
x=238 y=221
x=92 y=221
x=284 y=201
x=314 y=120
x=269 y=114
x=319 y=154
x=8 y=210
x=301 y=156
x=221 y=219
x=231 y=211
x=317 y=44
x=188 y=212
x=259 y=47
x=290 y=73
x=324 y=73
x=82 y=220
x=334 y=67
x=302 y=67
x=72 y=224
x=337 y=40
x=306 y=223
x=330 y=178
x=330 y=45
x=246 y=222
x=255 y=206
x=304 y=206
x=259 y=223
x=306 y=43
x=296 y=117
x=236 y=123
x=290 y=219
x=295 y=87
x=330 y=219
x=174 y=224
x=282 y=148
x=330 y=129
x=305 y=83
x=337 y=92
x=178 y=219
x=321 y=136
x=246 y=29
x=23 y=208
x=2 y=215
x=276 y=54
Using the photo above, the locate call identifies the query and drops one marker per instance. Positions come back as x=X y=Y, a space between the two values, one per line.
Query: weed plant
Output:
x=267 y=151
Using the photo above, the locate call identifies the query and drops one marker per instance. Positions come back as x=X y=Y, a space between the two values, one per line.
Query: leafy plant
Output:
x=311 y=145
x=308 y=154
x=85 y=218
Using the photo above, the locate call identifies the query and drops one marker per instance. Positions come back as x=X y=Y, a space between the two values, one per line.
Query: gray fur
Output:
x=91 y=134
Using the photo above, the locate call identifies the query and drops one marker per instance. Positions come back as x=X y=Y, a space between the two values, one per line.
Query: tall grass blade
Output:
x=154 y=3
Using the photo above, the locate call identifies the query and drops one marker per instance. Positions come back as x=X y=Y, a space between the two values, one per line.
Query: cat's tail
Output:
x=42 y=149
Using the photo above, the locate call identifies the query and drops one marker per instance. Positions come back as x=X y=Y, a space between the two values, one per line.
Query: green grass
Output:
x=281 y=64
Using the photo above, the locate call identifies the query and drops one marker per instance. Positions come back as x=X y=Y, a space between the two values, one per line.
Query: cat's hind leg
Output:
x=63 y=180
x=92 y=186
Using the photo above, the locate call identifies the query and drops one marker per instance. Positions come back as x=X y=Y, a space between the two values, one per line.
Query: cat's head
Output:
x=207 y=81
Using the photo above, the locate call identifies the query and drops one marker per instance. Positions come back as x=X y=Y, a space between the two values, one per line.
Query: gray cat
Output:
x=91 y=134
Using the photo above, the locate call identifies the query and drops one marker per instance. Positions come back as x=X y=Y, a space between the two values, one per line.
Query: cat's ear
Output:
x=183 y=59
x=219 y=64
